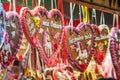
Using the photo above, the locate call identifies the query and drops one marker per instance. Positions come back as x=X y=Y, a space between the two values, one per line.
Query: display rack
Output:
x=96 y=6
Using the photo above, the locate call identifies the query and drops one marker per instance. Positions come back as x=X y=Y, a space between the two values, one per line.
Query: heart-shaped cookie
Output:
x=115 y=50
x=80 y=42
x=31 y=22
x=2 y=25
x=13 y=37
x=101 y=43
x=50 y=34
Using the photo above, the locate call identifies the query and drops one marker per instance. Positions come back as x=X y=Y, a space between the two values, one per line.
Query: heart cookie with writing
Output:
x=115 y=50
x=80 y=42
x=2 y=25
x=13 y=37
x=50 y=35
x=101 y=43
x=31 y=22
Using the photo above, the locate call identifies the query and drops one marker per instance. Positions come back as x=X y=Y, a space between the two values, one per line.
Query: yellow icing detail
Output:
x=36 y=21
x=105 y=42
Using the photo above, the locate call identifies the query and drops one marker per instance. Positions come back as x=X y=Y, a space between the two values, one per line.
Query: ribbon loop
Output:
x=94 y=19
x=71 y=14
x=115 y=20
x=85 y=14
x=102 y=19
x=80 y=13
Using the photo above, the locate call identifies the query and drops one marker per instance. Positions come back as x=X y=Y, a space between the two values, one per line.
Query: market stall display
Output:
x=39 y=44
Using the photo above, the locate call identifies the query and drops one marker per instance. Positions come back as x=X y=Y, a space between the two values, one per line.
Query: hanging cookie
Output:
x=31 y=22
x=101 y=42
x=80 y=42
x=50 y=35
x=13 y=38
x=115 y=47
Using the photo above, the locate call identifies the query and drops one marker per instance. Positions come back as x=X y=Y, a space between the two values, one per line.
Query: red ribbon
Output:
x=32 y=4
x=60 y=6
x=119 y=21
x=22 y=2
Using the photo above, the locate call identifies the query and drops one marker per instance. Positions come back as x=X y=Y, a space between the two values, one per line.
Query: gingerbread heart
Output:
x=101 y=43
x=80 y=42
x=31 y=22
x=115 y=50
x=50 y=34
x=13 y=37
x=2 y=25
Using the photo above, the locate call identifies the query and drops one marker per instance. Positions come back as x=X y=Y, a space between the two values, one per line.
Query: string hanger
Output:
x=41 y=1
x=85 y=13
x=94 y=19
x=102 y=19
x=53 y=2
x=80 y=13
x=72 y=7
x=115 y=21
x=26 y=2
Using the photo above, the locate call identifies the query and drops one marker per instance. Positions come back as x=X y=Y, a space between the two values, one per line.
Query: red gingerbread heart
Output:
x=80 y=42
x=50 y=35
x=31 y=22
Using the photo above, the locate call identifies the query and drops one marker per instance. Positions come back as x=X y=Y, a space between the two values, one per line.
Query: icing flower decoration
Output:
x=83 y=66
x=20 y=58
x=36 y=21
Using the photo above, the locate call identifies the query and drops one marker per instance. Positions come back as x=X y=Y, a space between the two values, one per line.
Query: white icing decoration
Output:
x=48 y=44
x=7 y=48
x=88 y=36
x=76 y=39
x=45 y=23
x=80 y=38
x=89 y=43
x=61 y=76
x=57 y=35
x=82 y=54
x=5 y=59
x=102 y=37
x=13 y=24
x=13 y=34
x=52 y=24
x=103 y=26
x=32 y=32
x=28 y=20
x=41 y=30
x=31 y=26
